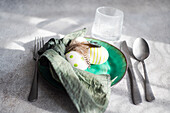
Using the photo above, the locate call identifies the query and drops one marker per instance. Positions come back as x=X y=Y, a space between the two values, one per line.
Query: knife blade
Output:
x=136 y=97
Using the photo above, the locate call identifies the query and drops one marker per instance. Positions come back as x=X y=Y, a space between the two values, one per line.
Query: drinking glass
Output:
x=107 y=24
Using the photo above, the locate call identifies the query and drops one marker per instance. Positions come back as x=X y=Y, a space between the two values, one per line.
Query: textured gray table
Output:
x=21 y=21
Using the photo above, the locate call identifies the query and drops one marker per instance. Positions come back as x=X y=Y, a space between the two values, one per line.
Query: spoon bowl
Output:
x=141 y=52
x=140 y=49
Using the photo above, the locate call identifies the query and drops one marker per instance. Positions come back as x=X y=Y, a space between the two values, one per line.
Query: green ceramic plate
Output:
x=115 y=66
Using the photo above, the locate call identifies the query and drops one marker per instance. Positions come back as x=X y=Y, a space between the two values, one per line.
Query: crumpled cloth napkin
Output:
x=90 y=93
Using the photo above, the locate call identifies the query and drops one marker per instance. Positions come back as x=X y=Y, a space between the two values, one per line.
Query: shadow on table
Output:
x=17 y=65
x=16 y=82
x=51 y=98
x=17 y=69
x=127 y=93
x=16 y=77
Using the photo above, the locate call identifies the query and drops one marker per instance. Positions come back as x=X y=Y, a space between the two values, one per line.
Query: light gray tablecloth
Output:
x=21 y=21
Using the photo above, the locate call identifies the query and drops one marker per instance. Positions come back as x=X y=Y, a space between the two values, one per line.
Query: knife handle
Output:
x=136 y=97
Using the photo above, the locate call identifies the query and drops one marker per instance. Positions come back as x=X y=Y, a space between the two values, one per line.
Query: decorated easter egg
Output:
x=76 y=60
x=98 y=55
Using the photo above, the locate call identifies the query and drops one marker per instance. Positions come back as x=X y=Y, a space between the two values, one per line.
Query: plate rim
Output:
x=108 y=44
x=118 y=50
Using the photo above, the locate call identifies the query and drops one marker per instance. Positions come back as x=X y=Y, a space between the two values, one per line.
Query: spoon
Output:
x=141 y=52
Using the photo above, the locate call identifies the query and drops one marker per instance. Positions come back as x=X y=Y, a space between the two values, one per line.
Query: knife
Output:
x=136 y=98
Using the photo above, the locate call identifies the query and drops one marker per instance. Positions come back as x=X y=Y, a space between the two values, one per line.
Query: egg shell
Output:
x=76 y=60
x=98 y=55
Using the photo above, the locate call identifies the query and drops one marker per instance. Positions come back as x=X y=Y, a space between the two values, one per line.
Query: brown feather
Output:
x=82 y=48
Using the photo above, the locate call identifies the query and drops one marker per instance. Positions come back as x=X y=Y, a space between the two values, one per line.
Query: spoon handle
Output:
x=148 y=90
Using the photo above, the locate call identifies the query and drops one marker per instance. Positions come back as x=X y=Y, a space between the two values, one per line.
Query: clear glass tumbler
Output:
x=107 y=24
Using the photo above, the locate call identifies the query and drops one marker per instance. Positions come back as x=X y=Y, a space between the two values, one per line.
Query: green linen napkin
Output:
x=90 y=93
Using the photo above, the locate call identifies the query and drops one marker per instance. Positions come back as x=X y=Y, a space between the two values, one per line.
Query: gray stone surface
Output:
x=21 y=21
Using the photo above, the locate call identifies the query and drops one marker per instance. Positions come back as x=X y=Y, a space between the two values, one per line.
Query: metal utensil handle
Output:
x=136 y=97
x=34 y=88
x=148 y=90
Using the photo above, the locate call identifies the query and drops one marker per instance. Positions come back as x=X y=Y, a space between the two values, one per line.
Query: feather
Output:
x=82 y=48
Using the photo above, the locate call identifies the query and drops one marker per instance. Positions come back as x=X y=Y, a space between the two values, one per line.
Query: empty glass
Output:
x=107 y=24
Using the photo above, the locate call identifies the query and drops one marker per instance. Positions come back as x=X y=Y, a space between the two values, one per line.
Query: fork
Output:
x=33 y=95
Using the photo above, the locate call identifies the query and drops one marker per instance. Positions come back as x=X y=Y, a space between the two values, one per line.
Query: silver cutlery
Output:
x=141 y=52
x=136 y=97
x=33 y=95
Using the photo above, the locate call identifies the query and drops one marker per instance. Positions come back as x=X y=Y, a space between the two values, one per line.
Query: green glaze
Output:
x=115 y=66
x=90 y=93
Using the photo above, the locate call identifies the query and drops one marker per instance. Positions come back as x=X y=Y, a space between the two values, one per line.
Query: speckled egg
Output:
x=76 y=60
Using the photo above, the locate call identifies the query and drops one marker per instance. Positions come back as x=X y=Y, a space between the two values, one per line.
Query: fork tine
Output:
x=35 y=46
x=40 y=42
x=43 y=41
